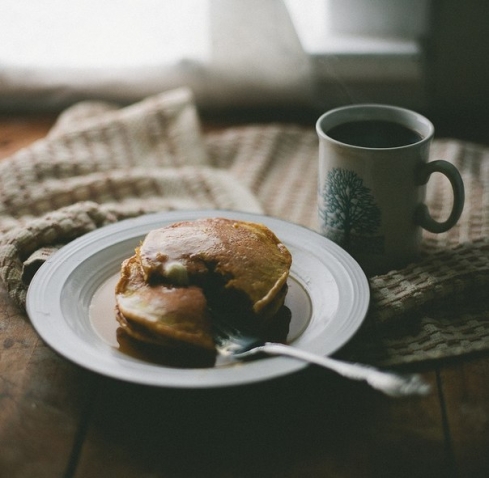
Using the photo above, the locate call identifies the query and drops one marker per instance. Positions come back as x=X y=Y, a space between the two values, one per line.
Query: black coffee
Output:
x=374 y=134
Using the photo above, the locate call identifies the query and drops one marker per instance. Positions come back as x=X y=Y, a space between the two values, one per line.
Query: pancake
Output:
x=248 y=257
x=159 y=313
x=184 y=273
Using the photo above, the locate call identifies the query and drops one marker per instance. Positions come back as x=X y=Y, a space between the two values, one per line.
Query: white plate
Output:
x=329 y=297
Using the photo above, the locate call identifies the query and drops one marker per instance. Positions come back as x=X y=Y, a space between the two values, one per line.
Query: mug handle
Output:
x=422 y=215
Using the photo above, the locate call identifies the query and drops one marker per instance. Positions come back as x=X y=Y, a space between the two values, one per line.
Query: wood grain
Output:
x=17 y=132
x=310 y=424
x=42 y=400
x=466 y=398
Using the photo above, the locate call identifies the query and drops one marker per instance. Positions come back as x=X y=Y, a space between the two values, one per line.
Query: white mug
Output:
x=373 y=168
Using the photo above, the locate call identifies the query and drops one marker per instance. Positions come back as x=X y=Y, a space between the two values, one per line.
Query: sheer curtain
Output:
x=229 y=52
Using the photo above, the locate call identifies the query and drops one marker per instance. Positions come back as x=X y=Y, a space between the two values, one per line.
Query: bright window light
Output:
x=101 y=34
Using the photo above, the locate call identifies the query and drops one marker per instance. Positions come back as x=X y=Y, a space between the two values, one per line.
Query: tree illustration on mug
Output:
x=348 y=210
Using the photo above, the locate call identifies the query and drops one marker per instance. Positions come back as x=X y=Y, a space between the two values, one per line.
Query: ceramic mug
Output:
x=373 y=170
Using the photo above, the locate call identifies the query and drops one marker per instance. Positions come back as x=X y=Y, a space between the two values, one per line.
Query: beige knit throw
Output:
x=101 y=164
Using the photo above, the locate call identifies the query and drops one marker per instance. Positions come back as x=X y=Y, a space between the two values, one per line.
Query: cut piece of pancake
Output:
x=184 y=273
x=159 y=313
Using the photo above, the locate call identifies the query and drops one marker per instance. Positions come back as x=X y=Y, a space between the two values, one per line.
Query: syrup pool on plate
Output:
x=102 y=319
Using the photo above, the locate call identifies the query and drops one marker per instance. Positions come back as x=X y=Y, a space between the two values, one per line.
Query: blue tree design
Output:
x=348 y=206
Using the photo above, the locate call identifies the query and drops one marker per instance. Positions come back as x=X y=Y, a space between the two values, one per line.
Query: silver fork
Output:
x=240 y=344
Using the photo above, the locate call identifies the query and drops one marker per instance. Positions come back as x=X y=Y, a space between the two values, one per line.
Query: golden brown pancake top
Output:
x=247 y=255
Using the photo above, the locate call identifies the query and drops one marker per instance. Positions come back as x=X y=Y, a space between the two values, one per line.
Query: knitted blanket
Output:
x=101 y=163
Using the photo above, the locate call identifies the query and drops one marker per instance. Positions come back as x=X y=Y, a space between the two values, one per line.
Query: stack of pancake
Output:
x=184 y=273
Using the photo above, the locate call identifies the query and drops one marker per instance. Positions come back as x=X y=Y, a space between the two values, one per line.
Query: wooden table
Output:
x=59 y=420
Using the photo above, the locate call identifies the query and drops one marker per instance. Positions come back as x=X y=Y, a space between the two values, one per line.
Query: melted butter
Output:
x=102 y=319
x=176 y=272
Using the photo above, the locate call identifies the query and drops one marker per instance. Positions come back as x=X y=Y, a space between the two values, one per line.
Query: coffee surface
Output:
x=374 y=134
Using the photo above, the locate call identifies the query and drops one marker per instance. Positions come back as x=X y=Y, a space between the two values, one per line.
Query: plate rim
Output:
x=124 y=230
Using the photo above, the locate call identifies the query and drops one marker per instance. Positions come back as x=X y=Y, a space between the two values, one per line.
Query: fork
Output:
x=240 y=344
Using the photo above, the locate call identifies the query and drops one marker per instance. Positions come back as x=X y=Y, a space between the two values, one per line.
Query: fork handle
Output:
x=392 y=384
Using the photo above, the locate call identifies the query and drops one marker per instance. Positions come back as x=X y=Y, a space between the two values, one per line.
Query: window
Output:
x=230 y=52
x=102 y=34
x=365 y=50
